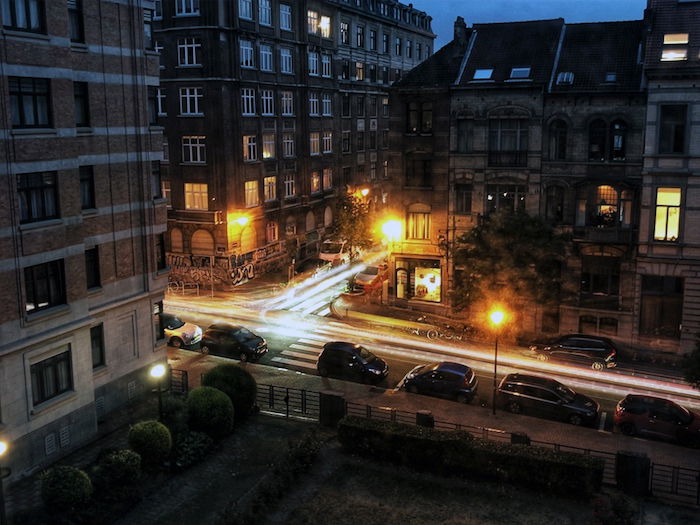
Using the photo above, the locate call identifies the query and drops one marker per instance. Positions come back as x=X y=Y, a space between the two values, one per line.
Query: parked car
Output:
x=351 y=361
x=230 y=340
x=312 y=265
x=587 y=350
x=370 y=278
x=657 y=417
x=444 y=379
x=178 y=332
x=545 y=397
x=335 y=252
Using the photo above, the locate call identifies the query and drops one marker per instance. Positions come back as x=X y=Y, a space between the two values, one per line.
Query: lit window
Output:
x=286 y=61
x=418 y=225
x=312 y=21
x=268 y=145
x=315 y=182
x=520 y=72
x=196 y=196
x=327 y=178
x=272 y=231
x=245 y=9
x=251 y=193
x=325 y=26
x=674 y=54
x=482 y=74
x=359 y=70
x=327 y=142
x=315 y=142
x=250 y=147
x=270 y=188
x=247 y=54
x=668 y=211
x=288 y=145
x=676 y=38
x=673 y=49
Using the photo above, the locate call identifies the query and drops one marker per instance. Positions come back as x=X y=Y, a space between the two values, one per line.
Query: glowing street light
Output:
x=3 y=474
x=364 y=192
x=392 y=230
x=496 y=317
x=241 y=220
x=157 y=372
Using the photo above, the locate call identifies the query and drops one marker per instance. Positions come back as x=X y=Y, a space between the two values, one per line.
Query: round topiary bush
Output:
x=175 y=416
x=152 y=441
x=65 y=489
x=237 y=383
x=210 y=411
x=120 y=467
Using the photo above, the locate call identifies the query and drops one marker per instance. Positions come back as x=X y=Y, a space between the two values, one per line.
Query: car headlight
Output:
x=376 y=371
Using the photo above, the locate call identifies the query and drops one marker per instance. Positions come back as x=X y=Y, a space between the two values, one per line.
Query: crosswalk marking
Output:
x=313 y=342
x=325 y=312
x=307 y=348
x=294 y=362
x=300 y=355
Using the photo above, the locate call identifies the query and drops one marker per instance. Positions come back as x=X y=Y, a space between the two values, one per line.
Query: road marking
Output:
x=601 y=422
x=311 y=341
x=294 y=362
x=337 y=324
x=314 y=307
x=307 y=348
x=325 y=312
x=310 y=357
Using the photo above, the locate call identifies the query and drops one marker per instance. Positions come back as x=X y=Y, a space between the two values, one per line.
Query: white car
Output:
x=178 y=332
x=336 y=252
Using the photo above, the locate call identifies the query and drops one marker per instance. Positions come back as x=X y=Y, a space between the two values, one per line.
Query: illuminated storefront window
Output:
x=419 y=279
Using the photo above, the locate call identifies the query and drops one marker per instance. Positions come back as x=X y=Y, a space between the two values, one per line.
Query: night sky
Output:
x=444 y=12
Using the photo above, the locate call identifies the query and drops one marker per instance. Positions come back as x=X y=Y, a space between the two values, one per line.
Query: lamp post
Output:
x=3 y=475
x=157 y=372
x=496 y=317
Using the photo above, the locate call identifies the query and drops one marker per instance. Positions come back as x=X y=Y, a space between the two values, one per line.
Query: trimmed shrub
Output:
x=65 y=489
x=175 y=415
x=191 y=448
x=210 y=411
x=120 y=467
x=237 y=383
x=152 y=441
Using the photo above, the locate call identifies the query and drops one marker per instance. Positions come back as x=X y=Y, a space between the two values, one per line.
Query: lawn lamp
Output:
x=496 y=317
x=3 y=474
x=157 y=372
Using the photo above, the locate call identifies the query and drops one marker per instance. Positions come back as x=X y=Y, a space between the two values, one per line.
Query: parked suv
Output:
x=178 y=332
x=544 y=397
x=351 y=361
x=229 y=340
x=335 y=252
x=657 y=417
x=587 y=350
x=444 y=379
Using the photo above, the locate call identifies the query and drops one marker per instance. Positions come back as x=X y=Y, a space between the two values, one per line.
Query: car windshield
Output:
x=332 y=247
x=173 y=322
x=683 y=414
x=370 y=270
x=566 y=393
x=243 y=334
x=365 y=354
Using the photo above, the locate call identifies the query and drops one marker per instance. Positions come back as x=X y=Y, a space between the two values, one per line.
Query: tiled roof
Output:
x=590 y=51
x=440 y=69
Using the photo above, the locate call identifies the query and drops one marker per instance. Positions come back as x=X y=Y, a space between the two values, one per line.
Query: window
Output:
x=464 y=135
x=360 y=105
x=44 y=286
x=600 y=282
x=345 y=73
x=397 y=47
x=418 y=225
x=247 y=59
x=508 y=140
x=291 y=226
x=286 y=61
x=92 y=268
x=672 y=128
x=285 y=17
x=482 y=74
x=251 y=193
x=372 y=140
x=675 y=47
x=270 y=188
x=385 y=43
x=326 y=66
x=463 y=198
x=265 y=12
x=267 y=101
x=409 y=49
x=75 y=20
x=325 y=26
x=313 y=104
x=166 y=192
x=87 y=188
x=196 y=196
x=23 y=15
x=268 y=141
x=618 y=139
x=611 y=76
x=160 y=102
x=327 y=178
x=158 y=48
x=315 y=143
x=148 y=28
x=82 y=104
x=155 y=179
x=245 y=9
x=557 y=140
x=419 y=51
x=312 y=21
x=272 y=231
x=505 y=197
x=152 y=106
x=359 y=71
x=668 y=213
x=288 y=149
x=596 y=141
x=360 y=137
x=327 y=142
x=373 y=40
x=554 y=211
x=159 y=251
x=38 y=196
x=360 y=36
x=372 y=73
x=190 y=98
x=345 y=105
x=344 y=33
x=194 y=150
x=372 y=106
x=166 y=151
x=188 y=50
x=51 y=377
x=97 y=343
x=661 y=306
x=250 y=147
x=385 y=138
x=289 y=185
x=287 y=103
x=420 y=117
x=385 y=106
x=326 y=106
x=520 y=72
x=248 y=101
x=313 y=63
x=315 y=182
x=565 y=78
x=186 y=7
x=265 y=57
x=29 y=102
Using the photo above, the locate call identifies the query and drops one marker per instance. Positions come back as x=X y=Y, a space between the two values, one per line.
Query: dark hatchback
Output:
x=229 y=340
x=444 y=379
x=351 y=361
x=592 y=351
x=544 y=397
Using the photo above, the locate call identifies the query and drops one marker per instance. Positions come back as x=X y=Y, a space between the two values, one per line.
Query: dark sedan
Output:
x=229 y=340
x=445 y=379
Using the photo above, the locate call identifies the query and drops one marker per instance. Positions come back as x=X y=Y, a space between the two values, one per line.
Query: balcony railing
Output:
x=197 y=216
x=605 y=235
x=500 y=159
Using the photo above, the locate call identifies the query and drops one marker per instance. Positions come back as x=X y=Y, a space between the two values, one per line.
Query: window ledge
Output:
x=52 y=403
x=186 y=15
x=89 y=212
x=190 y=115
x=26 y=34
x=155 y=127
x=193 y=164
x=29 y=226
x=95 y=290
x=84 y=130
x=46 y=313
x=34 y=131
x=188 y=66
x=79 y=47
x=100 y=370
x=159 y=200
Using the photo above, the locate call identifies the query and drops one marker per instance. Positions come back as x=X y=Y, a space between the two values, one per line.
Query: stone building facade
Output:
x=82 y=258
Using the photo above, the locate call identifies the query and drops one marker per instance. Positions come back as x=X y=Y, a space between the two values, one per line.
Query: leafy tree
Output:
x=352 y=221
x=510 y=258
x=691 y=366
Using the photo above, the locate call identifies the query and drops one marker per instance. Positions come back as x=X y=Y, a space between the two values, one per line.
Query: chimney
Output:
x=460 y=31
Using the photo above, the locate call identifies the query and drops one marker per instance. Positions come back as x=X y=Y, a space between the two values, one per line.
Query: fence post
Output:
x=332 y=408
x=632 y=473
x=424 y=418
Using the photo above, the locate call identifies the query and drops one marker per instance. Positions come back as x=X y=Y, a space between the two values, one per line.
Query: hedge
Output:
x=210 y=411
x=459 y=454
x=152 y=441
x=237 y=383
x=65 y=489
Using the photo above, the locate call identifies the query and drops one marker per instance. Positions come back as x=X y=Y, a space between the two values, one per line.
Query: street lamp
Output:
x=3 y=475
x=157 y=372
x=496 y=317
x=392 y=230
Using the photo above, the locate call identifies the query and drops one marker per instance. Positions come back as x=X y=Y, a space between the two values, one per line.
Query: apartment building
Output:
x=269 y=109
x=82 y=223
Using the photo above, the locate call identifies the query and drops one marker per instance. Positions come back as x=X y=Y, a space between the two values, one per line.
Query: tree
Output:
x=691 y=366
x=510 y=258
x=352 y=221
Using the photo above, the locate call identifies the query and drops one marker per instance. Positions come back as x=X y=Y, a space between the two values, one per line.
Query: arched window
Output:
x=557 y=140
x=618 y=140
x=596 y=140
x=310 y=221
x=176 y=244
x=272 y=231
x=202 y=243
x=328 y=216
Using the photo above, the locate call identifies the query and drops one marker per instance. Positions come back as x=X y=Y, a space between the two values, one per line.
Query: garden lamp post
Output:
x=3 y=474
x=157 y=372
x=496 y=318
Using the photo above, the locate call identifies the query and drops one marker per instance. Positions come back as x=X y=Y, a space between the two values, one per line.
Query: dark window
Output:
x=372 y=40
x=161 y=262
x=158 y=321
x=75 y=21
x=597 y=132
x=420 y=117
x=385 y=43
x=463 y=195
x=360 y=141
x=345 y=74
x=23 y=15
x=360 y=36
x=345 y=106
x=557 y=140
x=618 y=140
x=97 y=342
x=51 y=377
x=373 y=106
x=360 y=106
x=600 y=282
x=505 y=197
x=662 y=306
x=38 y=196
x=555 y=204
x=87 y=187
x=419 y=172
x=372 y=140
x=29 y=102
x=152 y=106
x=508 y=142
x=372 y=73
x=385 y=138
x=464 y=135
x=672 y=128
x=44 y=285
x=345 y=142
x=156 y=188
x=148 y=28
x=92 y=268
x=82 y=104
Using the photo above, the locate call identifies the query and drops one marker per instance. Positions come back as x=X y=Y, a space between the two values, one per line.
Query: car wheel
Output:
x=464 y=398
x=575 y=419
x=322 y=371
x=413 y=389
x=176 y=342
x=514 y=407
x=597 y=365
x=243 y=357
x=542 y=357
x=432 y=334
x=204 y=349
x=628 y=429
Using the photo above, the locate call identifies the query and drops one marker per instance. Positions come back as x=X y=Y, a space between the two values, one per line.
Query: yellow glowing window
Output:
x=325 y=26
x=196 y=196
x=676 y=38
x=668 y=212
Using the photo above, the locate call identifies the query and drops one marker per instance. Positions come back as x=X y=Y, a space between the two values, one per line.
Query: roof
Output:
x=449 y=366
x=591 y=51
x=224 y=326
x=532 y=380
x=441 y=69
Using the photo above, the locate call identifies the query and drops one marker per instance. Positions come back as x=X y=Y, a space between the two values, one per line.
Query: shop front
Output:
x=418 y=280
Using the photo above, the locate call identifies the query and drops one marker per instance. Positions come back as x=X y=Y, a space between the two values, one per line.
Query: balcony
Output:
x=197 y=216
x=599 y=301
x=605 y=235
x=508 y=159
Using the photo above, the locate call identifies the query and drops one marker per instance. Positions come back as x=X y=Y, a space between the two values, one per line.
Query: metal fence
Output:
x=675 y=483
x=288 y=401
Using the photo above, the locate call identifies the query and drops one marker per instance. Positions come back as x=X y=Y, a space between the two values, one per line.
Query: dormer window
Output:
x=483 y=74
x=675 y=47
x=565 y=78
x=611 y=77
x=520 y=72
